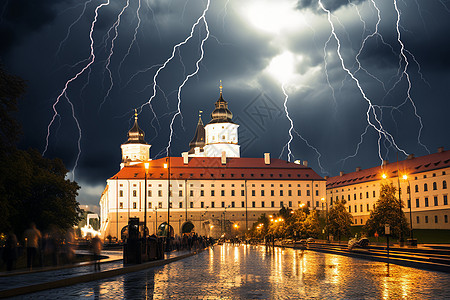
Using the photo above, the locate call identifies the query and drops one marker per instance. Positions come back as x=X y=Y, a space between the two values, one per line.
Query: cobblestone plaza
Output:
x=250 y=272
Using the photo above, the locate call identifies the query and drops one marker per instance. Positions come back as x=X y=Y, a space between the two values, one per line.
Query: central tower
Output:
x=221 y=133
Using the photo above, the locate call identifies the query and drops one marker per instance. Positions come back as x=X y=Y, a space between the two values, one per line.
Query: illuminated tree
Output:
x=388 y=210
x=339 y=220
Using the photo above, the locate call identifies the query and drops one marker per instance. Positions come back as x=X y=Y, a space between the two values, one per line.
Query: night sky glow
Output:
x=340 y=84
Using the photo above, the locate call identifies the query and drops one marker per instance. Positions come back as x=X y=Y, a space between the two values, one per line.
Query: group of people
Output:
x=41 y=249
x=190 y=242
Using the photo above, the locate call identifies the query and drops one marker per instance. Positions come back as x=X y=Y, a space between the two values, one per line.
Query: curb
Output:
x=89 y=277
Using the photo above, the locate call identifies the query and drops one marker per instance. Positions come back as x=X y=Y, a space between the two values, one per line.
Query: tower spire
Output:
x=135 y=114
x=220 y=88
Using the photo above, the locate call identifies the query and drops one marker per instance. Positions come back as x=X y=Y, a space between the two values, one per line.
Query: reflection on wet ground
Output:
x=250 y=272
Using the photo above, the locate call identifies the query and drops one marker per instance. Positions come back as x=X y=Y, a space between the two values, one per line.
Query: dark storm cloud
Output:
x=21 y=18
x=328 y=4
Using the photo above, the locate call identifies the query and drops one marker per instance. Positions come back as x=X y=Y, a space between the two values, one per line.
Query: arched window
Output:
x=434 y=186
x=425 y=187
x=444 y=184
x=416 y=188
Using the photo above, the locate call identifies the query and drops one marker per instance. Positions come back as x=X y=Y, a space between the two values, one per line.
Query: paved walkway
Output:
x=251 y=272
x=21 y=280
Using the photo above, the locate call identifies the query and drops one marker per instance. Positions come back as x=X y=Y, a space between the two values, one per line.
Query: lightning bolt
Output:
x=111 y=51
x=370 y=113
x=66 y=86
x=288 y=144
x=197 y=68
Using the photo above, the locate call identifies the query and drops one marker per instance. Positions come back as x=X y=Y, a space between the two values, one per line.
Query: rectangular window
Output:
x=149 y=193
x=232 y=203
x=134 y=205
x=121 y=193
x=445 y=218
x=426 y=219
x=262 y=193
x=409 y=203
x=367 y=206
x=272 y=193
x=299 y=192
x=180 y=204
x=180 y=193
x=253 y=204
x=445 y=200
x=367 y=194
x=170 y=204
x=159 y=204
x=281 y=192
x=191 y=193
x=317 y=192
x=242 y=193
x=149 y=205
x=317 y=203
x=223 y=204
x=354 y=196
x=159 y=193
x=281 y=204
x=360 y=195
x=360 y=208
x=356 y=208
x=253 y=193
x=348 y=197
x=222 y=193
x=191 y=204
x=289 y=193
x=349 y=209
x=374 y=194
x=272 y=203
x=308 y=193
x=212 y=193
x=417 y=202
x=232 y=193
x=202 y=193
x=426 y=201
x=134 y=193
x=435 y=219
x=242 y=204
x=262 y=203
x=120 y=204
x=212 y=204
x=290 y=203
x=308 y=204
x=202 y=204
x=418 y=219
x=435 y=201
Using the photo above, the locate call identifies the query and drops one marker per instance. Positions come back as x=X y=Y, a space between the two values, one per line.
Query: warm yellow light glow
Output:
x=165 y=166
x=146 y=165
x=236 y=226
x=384 y=176
x=271 y=220
x=292 y=211
x=281 y=67
x=270 y=216
x=302 y=205
x=322 y=199
x=405 y=176
x=211 y=226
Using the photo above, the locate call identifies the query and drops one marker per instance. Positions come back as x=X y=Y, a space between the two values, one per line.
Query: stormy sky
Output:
x=262 y=50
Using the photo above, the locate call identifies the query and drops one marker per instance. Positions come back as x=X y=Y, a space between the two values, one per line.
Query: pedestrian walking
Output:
x=10 y=251
x=96 y=245
x=32 y=239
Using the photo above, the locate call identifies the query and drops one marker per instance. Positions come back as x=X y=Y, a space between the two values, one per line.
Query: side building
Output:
x=423 y=189
x=209 y=190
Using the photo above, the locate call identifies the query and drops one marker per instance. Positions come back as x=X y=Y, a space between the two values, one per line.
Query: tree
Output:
x=311 y=224
x=339 y=220
x=388 y=210
x=32 y=188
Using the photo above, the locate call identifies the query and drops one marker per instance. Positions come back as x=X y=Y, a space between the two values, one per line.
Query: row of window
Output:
x=354 y=196
x=222 y=193
x=435 y=187
x=426 y=202
x=223 y=185
x=233 y=204
x=360 y=208
x=425 y=219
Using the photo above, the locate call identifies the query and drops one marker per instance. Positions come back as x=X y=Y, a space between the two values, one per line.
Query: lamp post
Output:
x=405 y=177
x=326 y=216
x=146 y=165
x=167 y=166
x=156 y=221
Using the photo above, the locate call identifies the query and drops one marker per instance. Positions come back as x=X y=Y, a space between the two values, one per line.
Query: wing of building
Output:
x=210 y=189
x=423 y=188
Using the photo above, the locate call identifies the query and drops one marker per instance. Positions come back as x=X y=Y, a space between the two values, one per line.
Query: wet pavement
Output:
x=250 y=272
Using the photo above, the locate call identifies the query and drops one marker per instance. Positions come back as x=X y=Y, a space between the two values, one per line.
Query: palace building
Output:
x=209 y=190
x=423 y=189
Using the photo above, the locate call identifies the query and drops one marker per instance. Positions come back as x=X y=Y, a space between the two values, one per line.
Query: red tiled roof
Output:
x=409 y=166
x=212 y=168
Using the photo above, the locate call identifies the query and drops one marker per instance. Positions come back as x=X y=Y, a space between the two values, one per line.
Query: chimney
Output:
x=305 y=163
x=440 y=149
x=224 y=158
x=185 y=158
x=385 y=162
x=411 y=156
x=358 y=169
x=267 y=158
x=341 y=173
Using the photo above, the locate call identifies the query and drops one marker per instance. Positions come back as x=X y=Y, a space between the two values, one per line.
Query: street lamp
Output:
x=326 y=217
x=167 y=166
x=146 y=166
x=156 y=221
x=405 y=177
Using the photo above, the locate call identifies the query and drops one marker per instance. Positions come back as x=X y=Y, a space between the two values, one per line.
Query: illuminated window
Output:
x=180 y=193
x=134 y=205
x=121 y=205
x=159 y=204
x=149 y=205
x=159 y=193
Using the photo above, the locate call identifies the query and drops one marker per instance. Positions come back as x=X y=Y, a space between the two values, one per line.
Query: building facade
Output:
x=209 y=190
x=423 y=189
